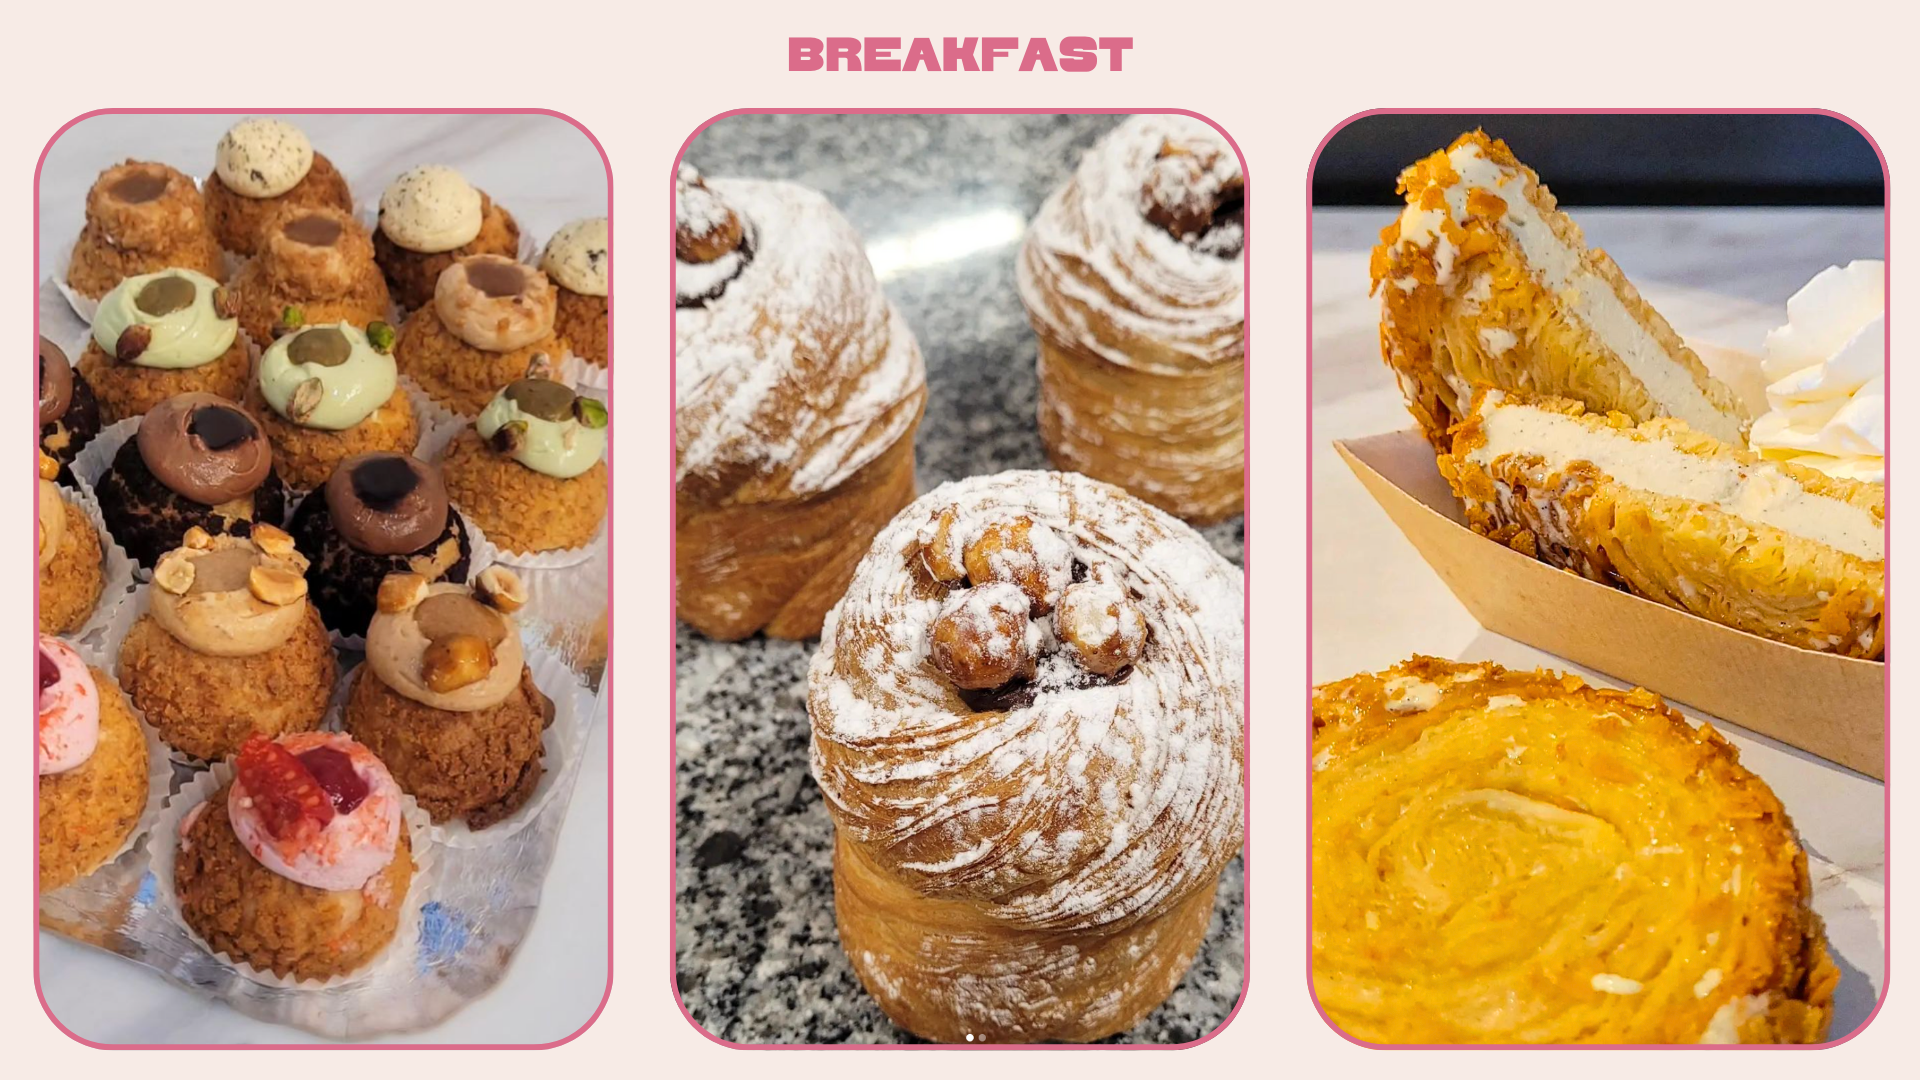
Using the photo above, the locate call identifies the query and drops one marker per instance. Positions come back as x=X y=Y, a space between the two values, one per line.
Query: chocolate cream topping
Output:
x=56 y=382
x=387 y=504
x=140 y=187
x=205 y=448
x=313 y=230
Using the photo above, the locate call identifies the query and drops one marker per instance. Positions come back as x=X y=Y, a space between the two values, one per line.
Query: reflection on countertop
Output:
x=942 y=202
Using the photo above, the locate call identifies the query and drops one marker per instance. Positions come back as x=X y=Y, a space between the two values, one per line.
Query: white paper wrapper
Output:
x=392 y=961
x=561 y=744
x=159 y=776
x=537 y=560
x=93 y=460
x=116 y=570
x=589 y=377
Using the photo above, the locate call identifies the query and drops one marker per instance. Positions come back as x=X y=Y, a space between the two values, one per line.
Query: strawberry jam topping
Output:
x=49 y=671
x=291 y=803
x=333 y=770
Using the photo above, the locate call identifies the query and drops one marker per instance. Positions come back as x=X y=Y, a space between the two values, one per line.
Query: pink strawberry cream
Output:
x=69 y=708
x=361 y=823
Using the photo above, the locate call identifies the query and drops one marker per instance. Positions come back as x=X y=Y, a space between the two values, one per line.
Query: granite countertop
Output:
x=942 y=202
x=1720 y=276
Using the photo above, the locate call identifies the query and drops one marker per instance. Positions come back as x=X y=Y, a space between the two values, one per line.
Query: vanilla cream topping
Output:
x=576 y=257
x=1759 y=492
x=261 y=158
x=430 y=208
x=1826 y=375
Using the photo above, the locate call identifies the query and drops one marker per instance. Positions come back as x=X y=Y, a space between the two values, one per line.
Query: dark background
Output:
x=1624 y=160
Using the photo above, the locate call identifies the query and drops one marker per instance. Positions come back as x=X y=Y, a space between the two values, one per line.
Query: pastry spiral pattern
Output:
x=797 y=390
x=1509 y=857
x=1034 y=859
x=1132 y=275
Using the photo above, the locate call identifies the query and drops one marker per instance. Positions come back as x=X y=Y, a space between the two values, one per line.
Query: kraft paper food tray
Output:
x=1833 y=706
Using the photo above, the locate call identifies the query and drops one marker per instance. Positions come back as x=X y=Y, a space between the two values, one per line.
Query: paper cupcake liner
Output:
x=393 y=961
x=589 y=377
x=159 y=774
x=561 y=744
x=117 y=569
x=559 y=559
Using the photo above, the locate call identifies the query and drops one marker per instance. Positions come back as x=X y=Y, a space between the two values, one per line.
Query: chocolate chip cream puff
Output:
x=262 y=167
x=69 y=414
x=197 y=460
x=70 y=574
x=490 y=319
x=430 y=218
x=327 y=393
x=161 y=334
x=141 y=217
x=314 y=265
x=576 y=262
x=378 y=514
x=229 y=647
x=531 y=472
x=445 y=697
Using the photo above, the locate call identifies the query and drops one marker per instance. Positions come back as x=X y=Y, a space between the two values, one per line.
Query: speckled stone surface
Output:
x=941 y=201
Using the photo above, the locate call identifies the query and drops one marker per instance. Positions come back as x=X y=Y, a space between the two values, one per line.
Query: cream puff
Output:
x=326 y=393
x=531 y=471
x=69 y=414
x=262 y=167
x=161 y=334
x=141 y=217
x=314 y=265
x=431 y=217
x=229 y=647
x=71 y=577
x=576 y=262
x=92 y=759
x=490 y=319
x=446 y=699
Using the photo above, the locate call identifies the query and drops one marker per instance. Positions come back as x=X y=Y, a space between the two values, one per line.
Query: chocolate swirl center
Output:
x=387 y=504
x=205 y=448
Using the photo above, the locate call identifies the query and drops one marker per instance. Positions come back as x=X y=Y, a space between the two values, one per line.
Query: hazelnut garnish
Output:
x=941 y=553
x=272 y=540
x=132 y=342
x=276 y=585
x=1022 y=553
x=224 y=304
x=49 y=468
x=400 y=592
x=984 y=638
x=174 y=572
x=454 y=662
x=197 y=538
x=500 y=589
x=1100 y=625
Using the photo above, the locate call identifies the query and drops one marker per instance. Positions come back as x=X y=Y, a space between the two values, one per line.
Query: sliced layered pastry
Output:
x=1518 y=857
x=1656 y=508
x=1483 y=280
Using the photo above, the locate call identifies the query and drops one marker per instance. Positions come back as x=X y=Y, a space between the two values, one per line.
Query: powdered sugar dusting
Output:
x=800 y=372
x=1093 y=805
x=1095 y=274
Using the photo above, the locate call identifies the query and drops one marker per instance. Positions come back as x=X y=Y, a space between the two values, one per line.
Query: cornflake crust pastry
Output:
x=264 y=168
x=142 y=217
x=430 y=218
x=314 y=266
x=301 y=864
x=1028 y=726
x=1517 y=857
x=575 y=260
x=92 y=764
x=1482 y=280
x=531 y=471
x=1769 y=547
x=490 y=319
x=72 y=575
x=797 y=389
x=1133 y=275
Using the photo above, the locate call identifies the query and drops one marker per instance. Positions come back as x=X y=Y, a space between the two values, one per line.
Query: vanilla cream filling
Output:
x=1559 y=269
x=1759 y=493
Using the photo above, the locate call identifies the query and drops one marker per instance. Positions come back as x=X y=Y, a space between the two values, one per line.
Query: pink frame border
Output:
x=608 y=165
x=1246 y=969
x=1886 y=804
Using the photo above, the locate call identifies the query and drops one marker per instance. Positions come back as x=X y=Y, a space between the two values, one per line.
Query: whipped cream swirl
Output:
x=1826 y=375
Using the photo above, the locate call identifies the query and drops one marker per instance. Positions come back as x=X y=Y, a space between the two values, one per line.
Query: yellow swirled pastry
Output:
x=1027 y=722
x=1517 y=857
x=1483 y=280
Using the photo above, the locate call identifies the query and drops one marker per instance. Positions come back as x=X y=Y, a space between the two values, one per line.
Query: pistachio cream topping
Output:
x=545 y=426
x=327 y=376
x=445 y=646
x=576 y=257
x=230 y=595
x=166 y=319
x=430 y=208
x=260 y=158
